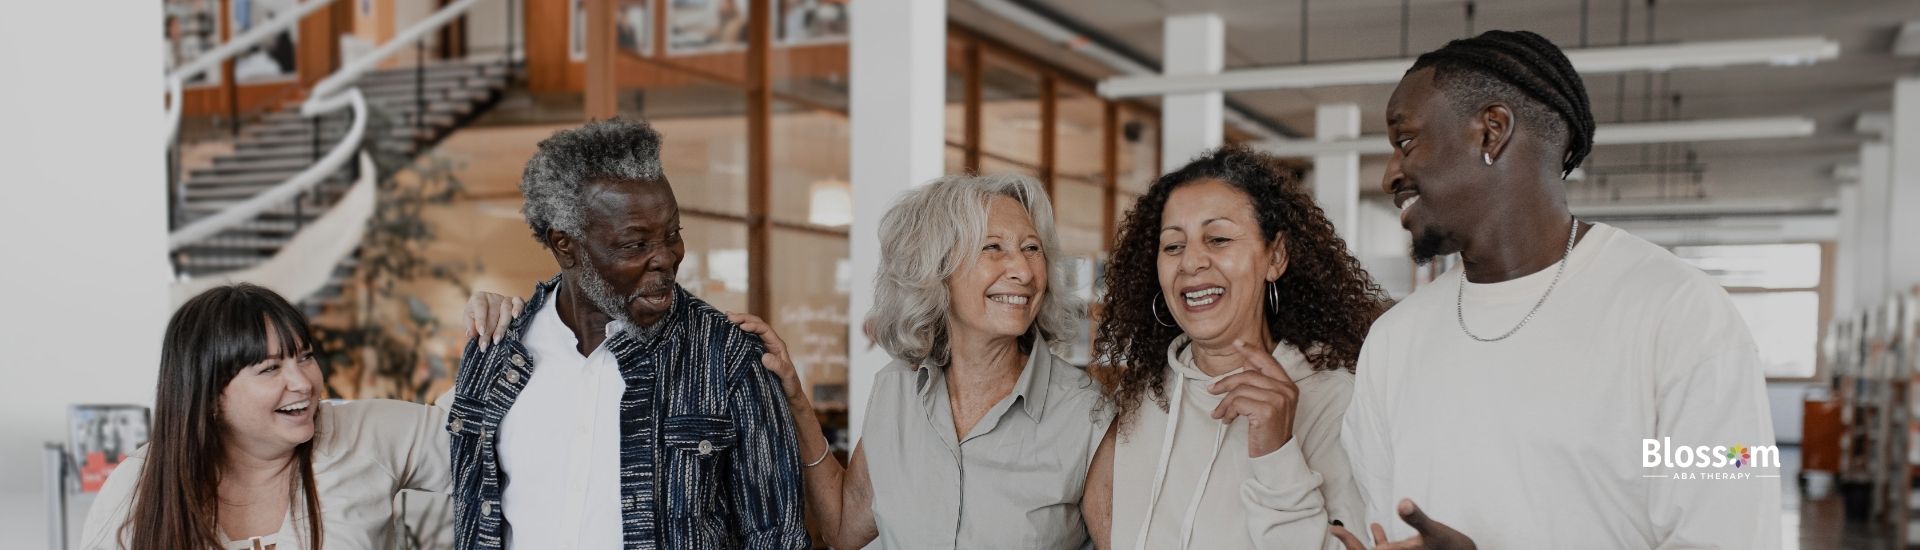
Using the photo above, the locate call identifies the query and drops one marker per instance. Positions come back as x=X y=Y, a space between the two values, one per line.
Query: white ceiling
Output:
x=1833 y=93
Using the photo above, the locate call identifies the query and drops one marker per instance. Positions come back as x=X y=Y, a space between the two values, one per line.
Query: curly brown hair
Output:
x=1329 y=300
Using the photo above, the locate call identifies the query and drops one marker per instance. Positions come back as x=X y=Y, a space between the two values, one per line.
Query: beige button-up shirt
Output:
x=364 y=452
x=1014 y=482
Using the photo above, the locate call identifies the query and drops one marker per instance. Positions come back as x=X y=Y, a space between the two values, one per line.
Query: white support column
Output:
x=1194 y=44
x=1846 y=250
x=1336 y=176
x=84 y=230
x=1903 y=231
x=898 y=116
x=1870 y=267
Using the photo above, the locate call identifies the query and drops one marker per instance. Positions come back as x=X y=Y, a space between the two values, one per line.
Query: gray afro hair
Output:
x=614 y=149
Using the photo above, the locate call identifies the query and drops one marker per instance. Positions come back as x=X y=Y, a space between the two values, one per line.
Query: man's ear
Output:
x=1496 y=130
x=563 y=248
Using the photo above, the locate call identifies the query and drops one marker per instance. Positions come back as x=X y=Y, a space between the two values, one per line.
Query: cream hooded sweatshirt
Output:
x=1184 y=480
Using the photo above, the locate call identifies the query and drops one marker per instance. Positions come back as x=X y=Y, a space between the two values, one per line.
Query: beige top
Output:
x=364 y=453
x=1014 y=482
x=1213 y=495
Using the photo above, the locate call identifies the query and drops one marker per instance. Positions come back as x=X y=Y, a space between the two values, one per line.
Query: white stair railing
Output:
x=330 y=95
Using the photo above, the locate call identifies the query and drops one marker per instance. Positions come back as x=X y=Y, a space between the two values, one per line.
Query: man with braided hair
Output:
x=1568 y=385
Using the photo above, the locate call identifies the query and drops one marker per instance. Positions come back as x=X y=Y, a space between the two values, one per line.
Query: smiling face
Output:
x=998 y=292
x=629 y=251
x=268 y=407
x=1214 y=264
x=1435 y=171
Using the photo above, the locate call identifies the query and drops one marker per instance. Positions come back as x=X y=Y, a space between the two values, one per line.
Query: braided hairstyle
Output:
x=1328 y=301
x=1527 y=73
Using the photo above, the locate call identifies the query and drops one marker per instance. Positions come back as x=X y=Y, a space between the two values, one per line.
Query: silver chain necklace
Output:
x=1459 y=296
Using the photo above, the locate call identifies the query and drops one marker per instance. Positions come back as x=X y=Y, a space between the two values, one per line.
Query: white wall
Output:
x=82 y=229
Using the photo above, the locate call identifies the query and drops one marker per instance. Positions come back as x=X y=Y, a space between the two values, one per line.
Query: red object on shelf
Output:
x=1820 y=436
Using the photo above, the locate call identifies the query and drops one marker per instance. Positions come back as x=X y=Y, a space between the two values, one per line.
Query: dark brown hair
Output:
x=210 y=339
x=1327 y=300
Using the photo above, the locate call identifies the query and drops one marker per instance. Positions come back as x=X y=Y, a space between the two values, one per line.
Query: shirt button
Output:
x=706 y=447
x=517 y=360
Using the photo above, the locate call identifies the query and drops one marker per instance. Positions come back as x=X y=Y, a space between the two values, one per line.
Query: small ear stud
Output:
x=1488 y=157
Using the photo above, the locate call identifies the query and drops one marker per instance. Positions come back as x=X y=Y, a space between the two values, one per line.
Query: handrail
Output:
x=299 y=183
x=325 y=97
x=207 y=61
x=321 y=100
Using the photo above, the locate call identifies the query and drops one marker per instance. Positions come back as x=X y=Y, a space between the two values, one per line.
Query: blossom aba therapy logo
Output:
x=1708 y=462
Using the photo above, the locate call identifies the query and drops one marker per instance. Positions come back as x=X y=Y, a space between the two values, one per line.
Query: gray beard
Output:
x=601 y=293
x=603 y=297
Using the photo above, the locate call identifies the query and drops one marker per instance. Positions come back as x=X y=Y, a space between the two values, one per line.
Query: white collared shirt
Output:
x=560 y=443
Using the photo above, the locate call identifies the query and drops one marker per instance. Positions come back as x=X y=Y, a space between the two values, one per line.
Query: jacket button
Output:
x=706 y=447
x=458 y=424
x=486 y=508
x=518 y=360
x=513 y=376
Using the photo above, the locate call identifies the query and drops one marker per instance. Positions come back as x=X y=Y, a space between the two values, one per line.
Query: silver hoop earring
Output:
x=1157 y=298
x=1487 y=157
x=1273 y=297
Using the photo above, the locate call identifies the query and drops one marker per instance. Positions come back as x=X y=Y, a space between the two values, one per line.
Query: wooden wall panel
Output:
x=548 y=67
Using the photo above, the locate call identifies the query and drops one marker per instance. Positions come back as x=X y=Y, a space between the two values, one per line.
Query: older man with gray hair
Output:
x=650 y=423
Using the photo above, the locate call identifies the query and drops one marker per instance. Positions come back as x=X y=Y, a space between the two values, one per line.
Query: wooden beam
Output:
x=970 y=72
x=759 y=158
x=601 y=99
x=1109 y=170
x=1049 y=110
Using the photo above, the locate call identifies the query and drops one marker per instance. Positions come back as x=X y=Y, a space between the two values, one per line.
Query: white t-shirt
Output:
x=1538 y=441
x=560 y=443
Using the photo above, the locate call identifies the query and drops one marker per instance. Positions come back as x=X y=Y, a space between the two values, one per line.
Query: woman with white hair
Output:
x=977 y=435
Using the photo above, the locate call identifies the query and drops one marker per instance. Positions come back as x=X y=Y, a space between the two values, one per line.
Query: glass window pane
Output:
x=956 y=131
x=1077 y=221
x=995 y=165
x=1137 y=143
x=809 y=176
x=810 y=308
x=1786 y=327
x=1122 y=204
x=1757 y=265
x=1009 y=110
x=1079 y=123
x=703 y=132
x=956 y=160
x=809 y=54
x=715 y=267
x=1076 y=206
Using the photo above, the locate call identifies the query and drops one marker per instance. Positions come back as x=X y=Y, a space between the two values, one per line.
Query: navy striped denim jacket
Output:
x=707 y=456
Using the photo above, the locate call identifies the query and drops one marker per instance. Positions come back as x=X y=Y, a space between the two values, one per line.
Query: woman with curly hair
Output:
x=1234 y=316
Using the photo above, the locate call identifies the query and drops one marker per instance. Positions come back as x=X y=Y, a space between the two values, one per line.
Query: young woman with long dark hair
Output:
x=245 y=455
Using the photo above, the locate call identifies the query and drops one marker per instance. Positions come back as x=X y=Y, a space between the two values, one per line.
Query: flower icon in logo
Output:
x=1740 y=455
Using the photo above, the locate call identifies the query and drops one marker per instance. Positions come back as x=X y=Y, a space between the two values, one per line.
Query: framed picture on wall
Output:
x=812 y=21
x=706 y=26
x=269 y=61
x=192 y=28
x=100 y=437
x=633 y=26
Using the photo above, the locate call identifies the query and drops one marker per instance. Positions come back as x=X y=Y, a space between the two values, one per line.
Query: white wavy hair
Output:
x=924 y=240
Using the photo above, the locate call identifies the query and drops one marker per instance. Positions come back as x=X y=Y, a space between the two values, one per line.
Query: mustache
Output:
x=653 y=286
